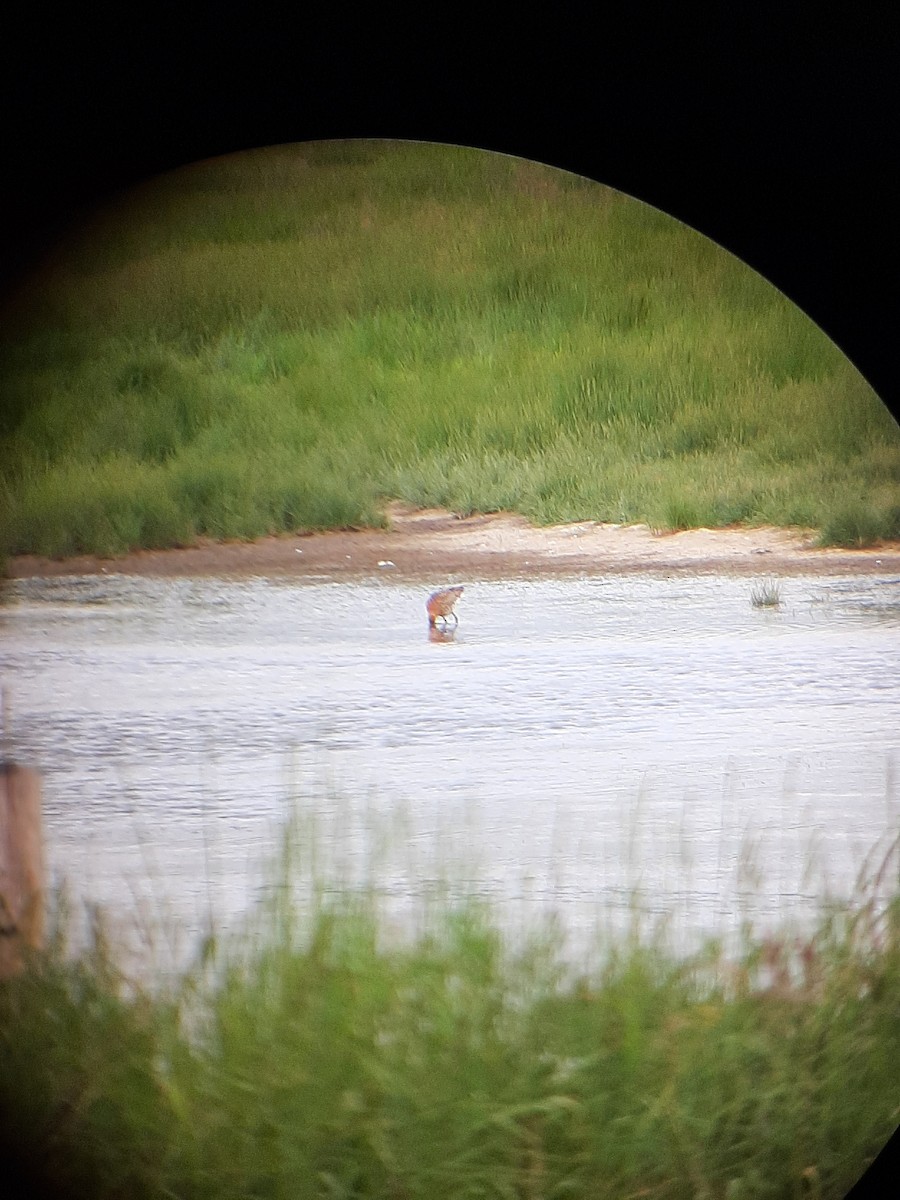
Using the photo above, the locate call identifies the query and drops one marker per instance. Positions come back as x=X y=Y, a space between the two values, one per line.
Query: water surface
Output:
x=574 y=738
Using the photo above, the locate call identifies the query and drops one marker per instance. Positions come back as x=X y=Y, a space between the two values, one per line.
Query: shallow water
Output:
x=574 y=738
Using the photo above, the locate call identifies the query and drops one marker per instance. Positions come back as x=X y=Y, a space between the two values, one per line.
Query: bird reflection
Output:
x=436 y=634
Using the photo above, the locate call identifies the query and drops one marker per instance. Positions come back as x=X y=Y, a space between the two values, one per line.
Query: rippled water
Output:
x=574 y=738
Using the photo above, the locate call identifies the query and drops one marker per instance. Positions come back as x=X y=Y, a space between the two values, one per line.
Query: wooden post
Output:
x=21 y=866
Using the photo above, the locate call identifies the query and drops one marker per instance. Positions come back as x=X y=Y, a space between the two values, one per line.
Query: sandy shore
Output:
x=438 y=545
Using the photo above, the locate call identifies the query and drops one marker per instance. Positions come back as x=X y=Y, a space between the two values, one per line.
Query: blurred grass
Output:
x=325 y=1055
x=283 y=339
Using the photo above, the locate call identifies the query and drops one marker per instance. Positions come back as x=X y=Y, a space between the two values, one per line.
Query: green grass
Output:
x=323 y=1055
x=284 y=339
x=766 y=594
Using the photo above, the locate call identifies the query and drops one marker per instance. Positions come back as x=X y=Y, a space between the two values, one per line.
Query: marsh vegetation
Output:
x=321 y=1053
x=284 y=339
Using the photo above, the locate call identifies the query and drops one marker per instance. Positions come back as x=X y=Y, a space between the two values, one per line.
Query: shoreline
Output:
x=437 y=544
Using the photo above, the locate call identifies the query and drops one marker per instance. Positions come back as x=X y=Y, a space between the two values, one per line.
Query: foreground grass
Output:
x=323 y=1058
x=282 y=340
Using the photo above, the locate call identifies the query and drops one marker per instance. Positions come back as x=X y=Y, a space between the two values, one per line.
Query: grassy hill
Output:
x=284 y=339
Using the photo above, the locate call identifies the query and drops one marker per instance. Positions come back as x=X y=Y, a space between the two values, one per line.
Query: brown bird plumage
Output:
x=440 y=604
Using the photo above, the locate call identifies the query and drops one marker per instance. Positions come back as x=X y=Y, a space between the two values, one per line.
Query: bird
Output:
x=440 y=604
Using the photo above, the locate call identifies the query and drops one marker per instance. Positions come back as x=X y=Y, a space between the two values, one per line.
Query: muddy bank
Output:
x=438 y=545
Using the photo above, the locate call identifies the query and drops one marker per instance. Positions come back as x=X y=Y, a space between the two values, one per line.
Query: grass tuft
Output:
x=766 y=594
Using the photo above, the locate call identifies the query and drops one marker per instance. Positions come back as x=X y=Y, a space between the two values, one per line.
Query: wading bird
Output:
x=440 y=605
